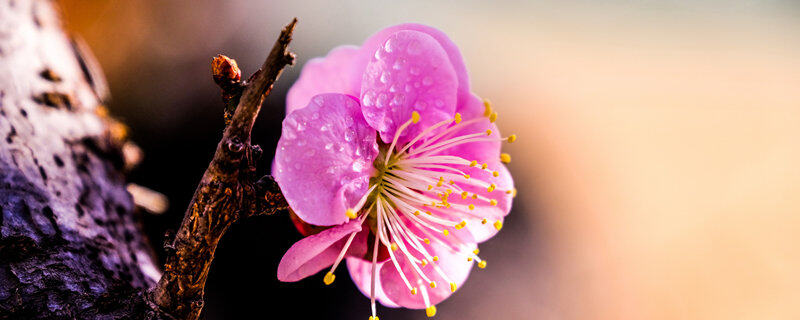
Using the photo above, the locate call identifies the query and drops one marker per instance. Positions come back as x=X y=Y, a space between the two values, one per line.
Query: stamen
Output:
x=505 y=158
x=487 y=111
x=512 y=138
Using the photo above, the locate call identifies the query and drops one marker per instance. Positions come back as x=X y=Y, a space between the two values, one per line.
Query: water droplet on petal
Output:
x=382 y=99
x=427 y=81
x=397 y=100
x=349 y=134
x=414 y=48
x=348 y=121
x=389 y=45
x=439 y=103
x=415 y=70
x=368 y=99
x=357 y=166
x=310 y=153
x=385 y=77
x=328 y=145
x=420 y=105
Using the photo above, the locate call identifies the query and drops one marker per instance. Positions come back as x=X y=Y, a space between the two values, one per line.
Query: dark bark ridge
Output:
x=70 y=246
x=229 y=189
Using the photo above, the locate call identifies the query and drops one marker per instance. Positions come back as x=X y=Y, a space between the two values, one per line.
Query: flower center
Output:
x=409 y=208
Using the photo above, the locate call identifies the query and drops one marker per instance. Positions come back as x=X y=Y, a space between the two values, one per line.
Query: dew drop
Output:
x=420 y=105
x=385 y=77
x=368 y=99
x=439 y=103
x=427 y=81
x=382 y=99
x=389 y=45
x=397 y=100
x=328 y=145
x=349 y=135
x=310 y=152
x=357 y=166
x=414 y=70
x=414 y=48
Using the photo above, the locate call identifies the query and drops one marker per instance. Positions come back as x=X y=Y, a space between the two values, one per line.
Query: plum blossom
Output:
x=391 y=164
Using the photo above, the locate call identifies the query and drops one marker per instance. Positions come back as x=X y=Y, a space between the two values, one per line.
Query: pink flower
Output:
x=385 y=146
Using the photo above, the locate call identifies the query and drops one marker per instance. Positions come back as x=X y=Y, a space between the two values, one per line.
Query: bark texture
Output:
x=70 y=246
x=229 y=189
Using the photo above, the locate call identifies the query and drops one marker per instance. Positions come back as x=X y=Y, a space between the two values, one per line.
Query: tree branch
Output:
x=228 y=190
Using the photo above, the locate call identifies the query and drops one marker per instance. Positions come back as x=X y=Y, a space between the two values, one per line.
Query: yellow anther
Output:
x=435 y=258
x=464 y=195
x=433 y=284
x=350 y=213
x=498 y=225
x=424 y=262
x=476 y=251
x=473 y=163
x=427 y=241
x=505 y=158
x=484 y=166
x=452 y=287
x=428 y=213
x=474 y=196
x=430 y=311
x=394 y=246
x=469 y=259
x=414 y=290
x=482 y=264
x=430 y=187
x=440 y=182
x=373 y=318
x=452 y=182
x=457 y=118
x=415 y=117
x=484 y=221
x=445 y=232
x=329 y=277
x=466 y=176
x=493 y=117
x=458 y=226
x=489 y=132
x=512 y=138
x=487 y=108
x=495 y=174
x=514 y=192
x=493 y=202
x=491 y=187
x=448 y=192
x=471 y=206
x=416 y=213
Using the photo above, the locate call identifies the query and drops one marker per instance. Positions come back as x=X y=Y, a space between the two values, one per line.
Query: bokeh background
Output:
x=657 y=162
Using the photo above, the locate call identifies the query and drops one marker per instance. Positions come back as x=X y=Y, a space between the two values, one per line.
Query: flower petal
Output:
x=453 y=263
x=454 y=55
x=361 y=273
x=338 y=72
x=314 y=253
x=324 y=159
x=409 y=72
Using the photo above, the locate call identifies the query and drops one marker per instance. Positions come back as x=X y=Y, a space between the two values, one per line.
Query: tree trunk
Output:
x=70 y=245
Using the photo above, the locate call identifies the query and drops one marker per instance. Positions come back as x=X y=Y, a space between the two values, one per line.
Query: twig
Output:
x=228 y=190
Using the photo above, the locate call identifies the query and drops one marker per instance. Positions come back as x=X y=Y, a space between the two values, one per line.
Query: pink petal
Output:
x=453 y=54
x=324 y=158
x=338 y=72
x=409 y=72
x=361 y=273
x=314 y=253
x=454 y=264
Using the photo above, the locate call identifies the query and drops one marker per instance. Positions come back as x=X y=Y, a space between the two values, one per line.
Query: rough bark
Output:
x=70 y=246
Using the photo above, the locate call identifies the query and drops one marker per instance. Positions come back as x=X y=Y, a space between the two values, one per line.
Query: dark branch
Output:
x=228 y=190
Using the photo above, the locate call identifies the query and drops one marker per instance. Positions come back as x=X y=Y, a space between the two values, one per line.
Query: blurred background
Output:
x=657 y=160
